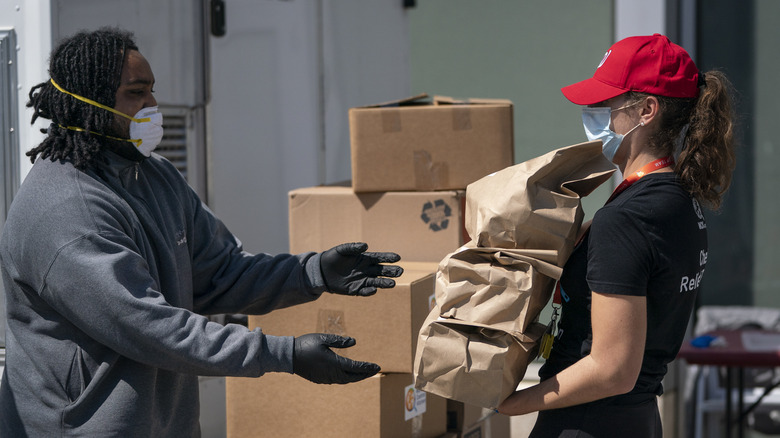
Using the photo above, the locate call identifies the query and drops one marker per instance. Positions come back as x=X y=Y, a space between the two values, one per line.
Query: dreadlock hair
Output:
x=706 y=149
x=88 y=64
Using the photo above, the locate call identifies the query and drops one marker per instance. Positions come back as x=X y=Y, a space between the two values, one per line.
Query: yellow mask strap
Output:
x=99 y=105
x=137 y=142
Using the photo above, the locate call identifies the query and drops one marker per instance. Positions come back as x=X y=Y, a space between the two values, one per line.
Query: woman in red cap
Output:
x=629 y=287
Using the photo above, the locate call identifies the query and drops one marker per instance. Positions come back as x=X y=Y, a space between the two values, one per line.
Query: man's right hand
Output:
x=314 y=360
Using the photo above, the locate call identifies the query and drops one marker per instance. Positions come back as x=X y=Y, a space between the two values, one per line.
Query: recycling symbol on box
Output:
x=436 y=214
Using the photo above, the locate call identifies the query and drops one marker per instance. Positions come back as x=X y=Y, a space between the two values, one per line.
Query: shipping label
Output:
x=414 y=402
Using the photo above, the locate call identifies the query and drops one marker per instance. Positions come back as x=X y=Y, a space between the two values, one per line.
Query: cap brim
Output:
x=590 y=91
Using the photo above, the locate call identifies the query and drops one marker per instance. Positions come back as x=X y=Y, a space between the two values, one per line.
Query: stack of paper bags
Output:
x=483 y=331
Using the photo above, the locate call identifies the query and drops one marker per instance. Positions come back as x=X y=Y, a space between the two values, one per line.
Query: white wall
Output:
x=282 y=81
x=31 y=21
x=167 y=34
x=639 y=18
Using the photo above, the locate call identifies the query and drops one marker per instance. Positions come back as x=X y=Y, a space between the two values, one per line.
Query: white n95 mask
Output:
x=146 y=130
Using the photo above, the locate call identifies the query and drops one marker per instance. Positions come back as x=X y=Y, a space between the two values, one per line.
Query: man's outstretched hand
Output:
x=349 y=270
x=314 y=360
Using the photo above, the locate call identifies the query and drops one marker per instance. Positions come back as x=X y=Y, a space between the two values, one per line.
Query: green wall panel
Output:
x=766 y=275
x=519 y=50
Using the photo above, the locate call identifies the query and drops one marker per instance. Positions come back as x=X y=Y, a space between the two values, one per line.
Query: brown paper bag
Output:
x=477 y=342
x=536 y=204
x=472 y=363
x=501 y=288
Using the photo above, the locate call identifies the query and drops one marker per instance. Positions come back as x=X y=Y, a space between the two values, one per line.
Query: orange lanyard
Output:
x=650 y=167
x=634 y=177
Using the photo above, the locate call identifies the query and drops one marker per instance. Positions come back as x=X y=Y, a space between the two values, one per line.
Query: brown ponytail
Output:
x=706 y=158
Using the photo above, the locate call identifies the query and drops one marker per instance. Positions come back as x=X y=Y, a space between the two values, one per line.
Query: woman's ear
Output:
x=649 y=110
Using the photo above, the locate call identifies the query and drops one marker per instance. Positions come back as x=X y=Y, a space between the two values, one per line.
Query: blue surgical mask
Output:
x=596 y=121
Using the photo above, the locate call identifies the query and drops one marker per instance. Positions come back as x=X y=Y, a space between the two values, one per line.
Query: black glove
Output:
x=349 y=270
x=314 y=360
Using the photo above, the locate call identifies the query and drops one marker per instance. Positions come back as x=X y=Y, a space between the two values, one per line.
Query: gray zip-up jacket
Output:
x=107 y=274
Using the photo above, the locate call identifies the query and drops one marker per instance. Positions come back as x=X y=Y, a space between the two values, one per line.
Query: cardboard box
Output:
x=413 y=144
x=494 y=426
x=385 y=325
x=488 y=424
x=420 y=226
x=284 y=405
x=463 y=417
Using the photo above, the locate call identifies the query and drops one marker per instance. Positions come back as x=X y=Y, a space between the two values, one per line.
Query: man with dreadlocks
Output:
x=109 y=261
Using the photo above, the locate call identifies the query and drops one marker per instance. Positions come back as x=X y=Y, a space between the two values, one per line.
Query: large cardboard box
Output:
x=284 y=405
x=385 y=325
x=420 y=226
x=413 y=144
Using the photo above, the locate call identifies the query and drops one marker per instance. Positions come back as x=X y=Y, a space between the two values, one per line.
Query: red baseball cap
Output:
x=647 y=64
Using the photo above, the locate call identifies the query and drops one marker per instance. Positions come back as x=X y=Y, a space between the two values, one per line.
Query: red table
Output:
x=733 y=355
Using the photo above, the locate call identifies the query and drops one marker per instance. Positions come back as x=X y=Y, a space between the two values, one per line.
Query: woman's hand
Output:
x=619 y=325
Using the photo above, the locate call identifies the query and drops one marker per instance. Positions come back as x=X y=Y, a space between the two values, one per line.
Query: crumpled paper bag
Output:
x=477 y=341
x=536 y=204
x=473 y=363
x=502 y=288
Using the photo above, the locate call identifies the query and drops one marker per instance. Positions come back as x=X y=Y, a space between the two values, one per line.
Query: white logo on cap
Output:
x=606 y=55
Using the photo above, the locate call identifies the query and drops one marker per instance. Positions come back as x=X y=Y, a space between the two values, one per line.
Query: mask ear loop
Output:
x=99 y=105
x=136 y=142
x=641 y=122
x=639 y=100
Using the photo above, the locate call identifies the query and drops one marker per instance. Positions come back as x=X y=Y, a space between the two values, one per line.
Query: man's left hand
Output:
x=349 y=270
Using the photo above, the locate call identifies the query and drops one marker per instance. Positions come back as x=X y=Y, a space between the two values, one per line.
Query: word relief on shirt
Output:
x=692 y=283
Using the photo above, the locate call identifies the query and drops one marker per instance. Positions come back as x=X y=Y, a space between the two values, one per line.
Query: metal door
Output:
x=282 y=78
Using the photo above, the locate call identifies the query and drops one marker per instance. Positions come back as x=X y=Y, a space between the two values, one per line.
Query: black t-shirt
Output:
x=651 y=241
